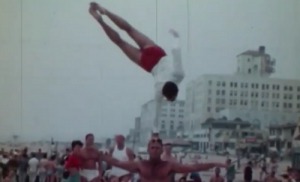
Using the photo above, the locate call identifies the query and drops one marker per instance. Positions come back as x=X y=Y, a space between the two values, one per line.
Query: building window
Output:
x=249 y=70
x=218 y=109
x=171 y=127
x=223 y=92
x=172 y=115
x=298 y=97
x=218 y=83
x=290 y=88
x=223 y=101
x=285 y=88
x=298 y=106
x=246 y=85
x=223 y=84
x=163 y=126
x=298 y=89
x=209 y=100
x=267 y=87
x=172 y=110
x=209 y=92
x=218 y=92
x=180 y=116
x=208 y=109
x=209 y=82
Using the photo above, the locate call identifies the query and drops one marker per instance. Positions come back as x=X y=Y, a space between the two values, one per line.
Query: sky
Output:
x=61 y=77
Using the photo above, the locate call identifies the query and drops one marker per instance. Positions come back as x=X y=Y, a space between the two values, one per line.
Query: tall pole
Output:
x=238 y=147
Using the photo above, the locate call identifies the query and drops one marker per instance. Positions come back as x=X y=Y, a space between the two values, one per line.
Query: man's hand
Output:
x=174 y=33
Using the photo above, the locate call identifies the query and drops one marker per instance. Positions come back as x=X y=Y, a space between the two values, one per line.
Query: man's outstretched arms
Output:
x=130 y=166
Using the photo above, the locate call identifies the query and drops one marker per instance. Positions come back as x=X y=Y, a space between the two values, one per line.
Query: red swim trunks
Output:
x=151 y=56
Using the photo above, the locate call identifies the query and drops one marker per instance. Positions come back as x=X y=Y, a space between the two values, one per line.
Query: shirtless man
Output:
x=122 y=153
x=167 y=156
x=156 y=170
x=271 y=177
x=217 y=177
x=91 y=164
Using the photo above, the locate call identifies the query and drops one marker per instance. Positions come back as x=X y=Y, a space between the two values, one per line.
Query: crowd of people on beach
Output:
x=84 y=162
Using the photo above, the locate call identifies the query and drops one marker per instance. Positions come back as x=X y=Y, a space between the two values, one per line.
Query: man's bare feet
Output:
x=94 y=11
x=101 y=9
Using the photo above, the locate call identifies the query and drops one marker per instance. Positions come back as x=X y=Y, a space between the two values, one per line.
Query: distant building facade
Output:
x=250 y=88
x=221 y=134
x=281 y=136
x=170 y=120
x=259 y=117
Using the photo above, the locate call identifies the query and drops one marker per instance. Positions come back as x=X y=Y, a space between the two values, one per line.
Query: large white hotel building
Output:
x=250 y=93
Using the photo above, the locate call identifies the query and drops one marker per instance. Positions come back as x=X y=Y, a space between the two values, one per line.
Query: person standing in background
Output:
x=33 y=164
x=230 y=171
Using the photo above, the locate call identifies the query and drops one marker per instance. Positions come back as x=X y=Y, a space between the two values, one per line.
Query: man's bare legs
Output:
x=141 y=39
x=132 y=52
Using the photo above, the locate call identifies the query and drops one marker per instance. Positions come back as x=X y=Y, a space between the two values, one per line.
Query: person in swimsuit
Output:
x=156 y=170
x=42 y=168
x=51 y=169
x=91 y=170
x=148 y=56
x=217 y=177
x=73 y=162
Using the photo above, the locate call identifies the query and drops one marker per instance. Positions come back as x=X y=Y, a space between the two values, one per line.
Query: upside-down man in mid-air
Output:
x=149 y=56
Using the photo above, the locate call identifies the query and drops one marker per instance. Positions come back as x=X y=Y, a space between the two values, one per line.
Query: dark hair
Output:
x=53 y=157
x=33 y=154
x=76 y=143
x=45 y=155
x=170 y=90
x=88 y=135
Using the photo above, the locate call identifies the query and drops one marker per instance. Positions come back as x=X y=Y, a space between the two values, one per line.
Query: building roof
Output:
x=224 y=121
x=253 y=53
x=283 y=126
